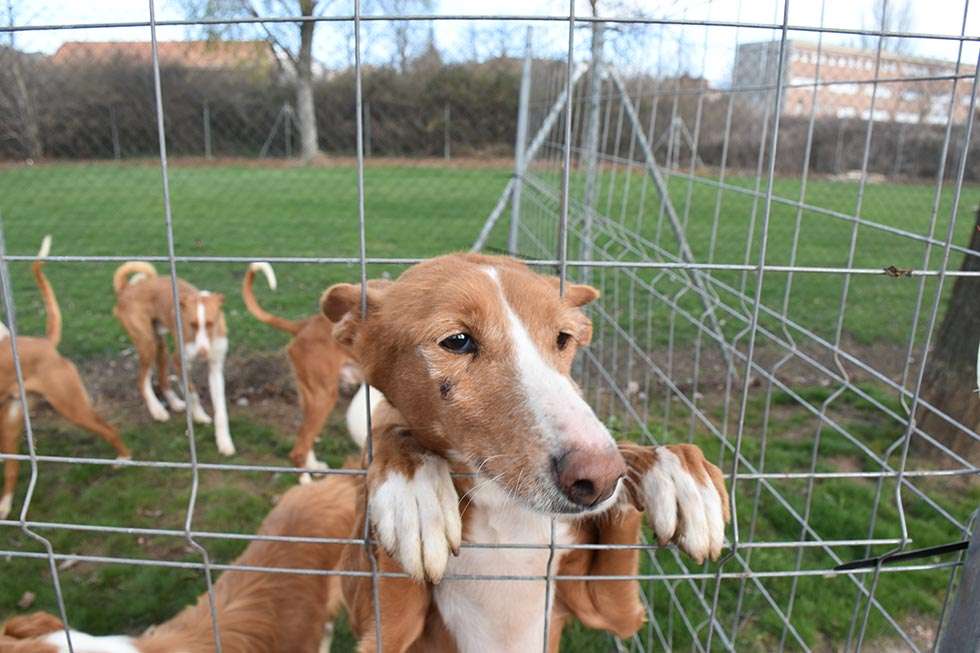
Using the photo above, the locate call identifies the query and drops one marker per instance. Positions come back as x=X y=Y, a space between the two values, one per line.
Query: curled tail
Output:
x=53 y=328
x=252 y=304
x=121 y=276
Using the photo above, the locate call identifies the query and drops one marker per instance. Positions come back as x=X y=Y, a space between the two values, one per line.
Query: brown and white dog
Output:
x=320 y=366
x=473 y=354
x=49 y=374
x=145 y=308
x=269 y=612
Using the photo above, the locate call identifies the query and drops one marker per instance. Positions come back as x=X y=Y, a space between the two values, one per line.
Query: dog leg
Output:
x=163 y=377
x=141 y=333
x=327 y=638
x=316 y=409
x=11 y=420
x=216 y=384
x=312 y=463
x=414 y=506
x=63 y=389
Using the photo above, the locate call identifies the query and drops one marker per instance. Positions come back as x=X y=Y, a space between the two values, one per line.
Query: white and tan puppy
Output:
x=473 y=355
x=145 y=308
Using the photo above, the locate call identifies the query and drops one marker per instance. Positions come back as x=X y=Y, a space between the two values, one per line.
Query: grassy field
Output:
x=256 y=212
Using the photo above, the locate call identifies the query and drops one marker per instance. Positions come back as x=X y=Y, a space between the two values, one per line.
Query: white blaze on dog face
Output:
x=478 y=351
x=203 y=322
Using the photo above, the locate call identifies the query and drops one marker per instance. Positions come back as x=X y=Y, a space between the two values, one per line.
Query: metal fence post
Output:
x=592 y=144
x=962 y=631
x=445 y=133
x=367 y=129
x=207 y=131
x=287 y=133
x=114 y=129
x=520 y=148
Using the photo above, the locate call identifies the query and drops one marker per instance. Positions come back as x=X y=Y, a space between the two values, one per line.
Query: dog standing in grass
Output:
x=145 y=307
x=49 y=374
x=320 y=366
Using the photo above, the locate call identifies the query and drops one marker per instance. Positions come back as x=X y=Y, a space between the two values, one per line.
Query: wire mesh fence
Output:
x=779 y=248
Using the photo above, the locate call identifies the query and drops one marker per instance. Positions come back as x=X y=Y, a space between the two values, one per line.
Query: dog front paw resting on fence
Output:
x=683 y=495
x=413 y=505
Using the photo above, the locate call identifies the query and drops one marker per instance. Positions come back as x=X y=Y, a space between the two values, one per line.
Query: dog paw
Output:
x=416 y=518
x=121 y=459
x=159 y=413
x=176 y=404
x=684 y=497
x=6 y=504
x=200 y=417
x=226 y=448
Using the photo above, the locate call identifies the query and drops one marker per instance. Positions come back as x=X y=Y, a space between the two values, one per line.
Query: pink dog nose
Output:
x=589 y=476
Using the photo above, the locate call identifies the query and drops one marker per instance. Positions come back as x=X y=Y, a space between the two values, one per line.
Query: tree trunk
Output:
x=28 y=114
x=305 y=111
x=951 y=376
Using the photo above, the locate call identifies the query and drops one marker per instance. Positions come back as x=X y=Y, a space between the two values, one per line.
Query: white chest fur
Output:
x=500 y=615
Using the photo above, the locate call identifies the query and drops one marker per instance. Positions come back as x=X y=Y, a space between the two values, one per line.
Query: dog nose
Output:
x=589 y=476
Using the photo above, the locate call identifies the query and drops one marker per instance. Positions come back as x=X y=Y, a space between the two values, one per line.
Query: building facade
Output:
x=914 y=90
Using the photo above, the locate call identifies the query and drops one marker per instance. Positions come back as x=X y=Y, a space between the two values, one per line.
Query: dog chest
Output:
x=502 y=615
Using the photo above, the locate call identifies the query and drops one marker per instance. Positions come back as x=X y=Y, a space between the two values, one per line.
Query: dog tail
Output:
x=357 y=424
x=252 y=304
x=138 y=269
x=51 y=308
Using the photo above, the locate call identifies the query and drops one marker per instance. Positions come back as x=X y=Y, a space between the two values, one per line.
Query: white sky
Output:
x=683 y=49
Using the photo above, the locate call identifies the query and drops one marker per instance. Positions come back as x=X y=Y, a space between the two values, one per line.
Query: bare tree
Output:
x=408 y=36
x=16 y=93
x=888 y=16
x=950 y=379
x=294 y=41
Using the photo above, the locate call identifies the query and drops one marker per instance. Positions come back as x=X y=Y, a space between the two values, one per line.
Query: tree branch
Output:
x=249 y=8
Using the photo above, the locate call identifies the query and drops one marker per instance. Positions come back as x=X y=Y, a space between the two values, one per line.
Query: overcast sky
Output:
x=680 y=48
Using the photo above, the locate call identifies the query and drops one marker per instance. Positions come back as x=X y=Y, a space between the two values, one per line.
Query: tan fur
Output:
x=257 y=612
x=36 y=624
x=146 y=305
x=49 y=374
x=317 y=360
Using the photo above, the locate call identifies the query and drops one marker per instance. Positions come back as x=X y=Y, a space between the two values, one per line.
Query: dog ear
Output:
x=341 y=304
x=219 y=297
x=577 y=294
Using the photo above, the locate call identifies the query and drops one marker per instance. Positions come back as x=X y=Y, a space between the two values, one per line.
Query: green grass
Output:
x=255 y=212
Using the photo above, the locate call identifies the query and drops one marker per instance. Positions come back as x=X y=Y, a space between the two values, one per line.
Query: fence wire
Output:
x=775 y=246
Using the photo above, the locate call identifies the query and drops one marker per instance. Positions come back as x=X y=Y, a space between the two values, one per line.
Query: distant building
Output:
x=208 y=55
x=845 y=76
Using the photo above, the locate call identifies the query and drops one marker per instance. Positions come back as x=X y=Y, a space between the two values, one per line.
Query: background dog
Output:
x=49 y=374
x=145 y=308
x=320 y=366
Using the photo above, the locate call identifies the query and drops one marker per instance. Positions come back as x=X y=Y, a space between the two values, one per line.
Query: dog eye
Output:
x=459 y=343
x=208 y=324
x=563 y=339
